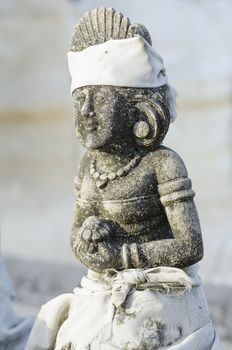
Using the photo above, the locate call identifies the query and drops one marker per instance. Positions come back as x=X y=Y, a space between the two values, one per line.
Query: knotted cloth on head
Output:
x=129 y=62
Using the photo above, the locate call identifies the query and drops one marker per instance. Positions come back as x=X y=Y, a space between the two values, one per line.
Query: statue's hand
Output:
x=110 y=255
x=106 y=255
x=94 y=247
x=95 y=229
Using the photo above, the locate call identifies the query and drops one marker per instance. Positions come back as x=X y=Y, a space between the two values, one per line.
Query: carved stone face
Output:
x=102 y=117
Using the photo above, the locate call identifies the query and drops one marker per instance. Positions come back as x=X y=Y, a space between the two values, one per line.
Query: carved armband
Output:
x=176 y=190
x=130 y=256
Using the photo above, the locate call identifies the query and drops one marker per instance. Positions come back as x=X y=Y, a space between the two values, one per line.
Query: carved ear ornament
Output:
x=152 y=131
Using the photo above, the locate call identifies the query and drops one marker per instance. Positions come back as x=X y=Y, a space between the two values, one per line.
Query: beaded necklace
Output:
x=103 y=178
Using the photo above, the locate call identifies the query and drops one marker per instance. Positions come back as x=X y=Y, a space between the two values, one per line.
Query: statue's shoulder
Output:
x=167 y=164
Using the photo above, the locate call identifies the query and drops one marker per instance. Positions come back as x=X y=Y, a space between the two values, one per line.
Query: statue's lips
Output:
x=90 y=127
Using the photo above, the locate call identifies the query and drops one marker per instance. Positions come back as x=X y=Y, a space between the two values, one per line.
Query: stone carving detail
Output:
x=100 y=25
x=135 y=226
x=127 y=178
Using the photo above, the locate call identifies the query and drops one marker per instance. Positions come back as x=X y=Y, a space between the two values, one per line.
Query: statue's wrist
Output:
x=130 y=255
x=126 y=256
x=135 y=250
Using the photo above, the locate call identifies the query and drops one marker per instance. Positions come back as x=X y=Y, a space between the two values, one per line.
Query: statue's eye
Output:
x=99 y=99
x=80 y=100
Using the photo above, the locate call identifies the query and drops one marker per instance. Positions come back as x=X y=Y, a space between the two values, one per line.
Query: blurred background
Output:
x=39 y=152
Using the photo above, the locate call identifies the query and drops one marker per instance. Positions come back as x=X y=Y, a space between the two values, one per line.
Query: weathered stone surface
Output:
x=139 y=220
x=148 y=206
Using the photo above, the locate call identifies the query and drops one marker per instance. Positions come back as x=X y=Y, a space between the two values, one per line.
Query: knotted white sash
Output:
x=107 y=312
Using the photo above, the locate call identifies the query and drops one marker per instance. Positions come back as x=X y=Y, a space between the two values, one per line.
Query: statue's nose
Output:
x=87 y=108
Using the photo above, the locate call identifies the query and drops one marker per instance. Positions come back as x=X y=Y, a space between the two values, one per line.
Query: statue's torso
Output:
x=132 y=202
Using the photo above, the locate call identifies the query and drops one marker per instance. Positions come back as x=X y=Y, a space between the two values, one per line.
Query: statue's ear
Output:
x=152 y=130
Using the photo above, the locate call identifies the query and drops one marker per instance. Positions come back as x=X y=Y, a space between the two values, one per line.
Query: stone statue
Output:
x=135 y=226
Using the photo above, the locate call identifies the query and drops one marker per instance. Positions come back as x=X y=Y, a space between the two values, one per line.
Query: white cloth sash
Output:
x=111 y=310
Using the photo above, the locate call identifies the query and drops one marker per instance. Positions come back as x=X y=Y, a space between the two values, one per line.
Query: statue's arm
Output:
x=82 y=210
x=176 y=195
x=185 y=248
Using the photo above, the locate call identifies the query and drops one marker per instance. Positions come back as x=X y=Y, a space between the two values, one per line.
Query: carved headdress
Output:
x=106 y=49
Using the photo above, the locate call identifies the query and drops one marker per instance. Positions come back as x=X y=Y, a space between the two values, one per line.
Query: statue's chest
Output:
x=136 y=184
x=124 y=200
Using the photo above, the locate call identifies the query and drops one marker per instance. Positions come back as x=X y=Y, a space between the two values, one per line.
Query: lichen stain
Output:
x=122 y=315
x=178 y=336
x=180 y=329
x=69 y=346
x=152 y=335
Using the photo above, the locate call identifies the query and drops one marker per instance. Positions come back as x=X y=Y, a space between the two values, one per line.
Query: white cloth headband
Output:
x=125 y=62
